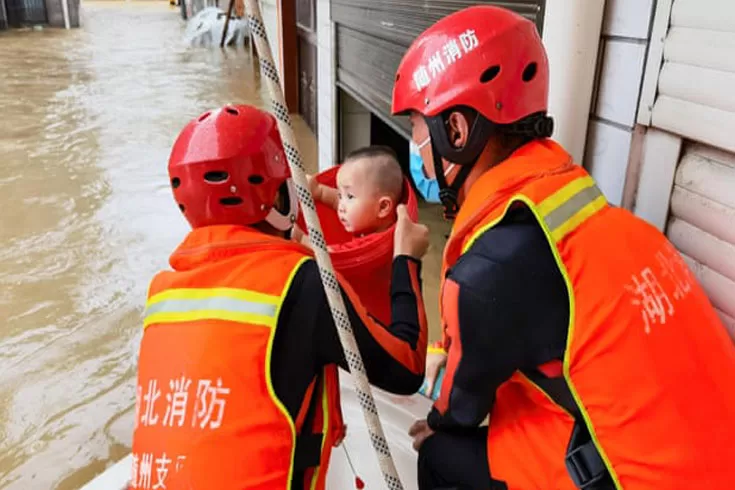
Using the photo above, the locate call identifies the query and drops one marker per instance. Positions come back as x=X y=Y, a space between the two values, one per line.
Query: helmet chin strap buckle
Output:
x=448 y=198
x=284 y=220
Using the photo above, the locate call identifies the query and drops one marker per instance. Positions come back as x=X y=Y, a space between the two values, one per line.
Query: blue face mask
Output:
x=429 y=188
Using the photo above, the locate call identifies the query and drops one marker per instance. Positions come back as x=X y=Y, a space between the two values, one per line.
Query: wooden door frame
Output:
x=288 y=44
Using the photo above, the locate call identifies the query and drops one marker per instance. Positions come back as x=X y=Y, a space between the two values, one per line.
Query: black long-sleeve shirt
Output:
x=306 y=338
x=511 y=312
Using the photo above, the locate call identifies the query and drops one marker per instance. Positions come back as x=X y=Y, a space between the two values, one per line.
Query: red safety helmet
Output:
x=227 y=167
x=484 y=57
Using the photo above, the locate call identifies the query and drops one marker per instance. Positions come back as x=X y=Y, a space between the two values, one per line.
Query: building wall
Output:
x=326 y=79
x=611 y=129
x=612 y=132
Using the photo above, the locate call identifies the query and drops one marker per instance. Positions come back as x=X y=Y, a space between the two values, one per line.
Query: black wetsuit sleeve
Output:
x=394 y=355
x=505 y=309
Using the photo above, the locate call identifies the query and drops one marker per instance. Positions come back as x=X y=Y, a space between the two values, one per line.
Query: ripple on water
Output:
x=89 y=116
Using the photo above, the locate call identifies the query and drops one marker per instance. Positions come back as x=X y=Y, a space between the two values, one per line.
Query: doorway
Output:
x=307 y=61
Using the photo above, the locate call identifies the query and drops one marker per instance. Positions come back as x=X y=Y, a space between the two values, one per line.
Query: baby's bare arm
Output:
x=329 y=196
x=323 y=193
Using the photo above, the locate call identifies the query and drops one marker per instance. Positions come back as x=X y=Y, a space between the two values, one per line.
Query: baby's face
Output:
x=361 y=207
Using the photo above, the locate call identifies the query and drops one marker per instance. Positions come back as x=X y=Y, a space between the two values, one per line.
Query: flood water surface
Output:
x=88 y=119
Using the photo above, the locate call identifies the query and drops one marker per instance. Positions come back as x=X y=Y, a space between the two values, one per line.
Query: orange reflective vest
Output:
x=648 y=363
x=206 y=413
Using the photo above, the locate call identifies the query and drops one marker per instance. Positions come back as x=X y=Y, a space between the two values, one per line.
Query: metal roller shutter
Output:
x=23 y=12
x=372 y=35
x=3 y=16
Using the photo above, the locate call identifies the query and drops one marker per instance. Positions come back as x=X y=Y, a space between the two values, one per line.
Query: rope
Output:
x=324 y=262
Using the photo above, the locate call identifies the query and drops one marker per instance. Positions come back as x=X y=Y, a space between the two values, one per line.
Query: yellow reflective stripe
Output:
x=187 y=305
x=570 y=206
x=268 y=378
x=561 y=212
x=570 y=338
x=578 y=218
x=205 y=293
x=564 y=194
x=198 y=315
x=491 y=224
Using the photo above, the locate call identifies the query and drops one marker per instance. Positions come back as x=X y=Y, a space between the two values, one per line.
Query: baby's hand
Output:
x=314 y=187
x=323 y=193
x=299 y=236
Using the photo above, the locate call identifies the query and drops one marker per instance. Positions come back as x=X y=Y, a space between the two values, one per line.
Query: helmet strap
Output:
x=465 y=157
x=284 y=220
x=532 y=127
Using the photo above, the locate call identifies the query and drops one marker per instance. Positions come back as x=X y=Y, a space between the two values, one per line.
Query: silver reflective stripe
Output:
x=214 y=303
x=575 y=204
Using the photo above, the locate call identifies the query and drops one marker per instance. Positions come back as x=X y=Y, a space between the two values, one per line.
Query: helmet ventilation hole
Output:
x=530 y=72
x=175 y=182
x=203 y=116
x=216 y=176
x=490 y=74
x=256 y=179
x=182 y=208
x=232 y=111
x=230 y=201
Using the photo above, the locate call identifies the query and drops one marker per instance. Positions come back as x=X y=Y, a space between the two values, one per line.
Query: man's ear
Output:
x=458 y=129
x=385 y=207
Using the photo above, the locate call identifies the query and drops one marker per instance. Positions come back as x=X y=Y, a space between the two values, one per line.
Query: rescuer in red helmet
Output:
x=574 y=325
x=237 y=376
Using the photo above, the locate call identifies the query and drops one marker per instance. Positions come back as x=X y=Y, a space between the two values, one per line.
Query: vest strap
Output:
x=583 y=461
x=557 y=390
x=308 y=451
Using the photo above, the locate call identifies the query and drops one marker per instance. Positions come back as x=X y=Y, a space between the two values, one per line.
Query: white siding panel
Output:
x=620 y=81
x=702 y=226
x=709 y=250
x=712 y=217
x=720 y=289
x=627 y=18
x=703 y=86
x=696 y=99
x=697 y=47
x=715 y=15
x=694 y=121
x=708 y=173
x=606 y=158
x=661 y=152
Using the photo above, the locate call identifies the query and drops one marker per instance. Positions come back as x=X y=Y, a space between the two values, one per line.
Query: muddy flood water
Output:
x=88 y=118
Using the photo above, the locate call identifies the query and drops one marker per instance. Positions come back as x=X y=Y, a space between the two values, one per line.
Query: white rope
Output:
x=270 y=75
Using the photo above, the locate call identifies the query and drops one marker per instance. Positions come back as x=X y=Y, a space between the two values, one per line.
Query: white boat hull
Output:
x=397 y=413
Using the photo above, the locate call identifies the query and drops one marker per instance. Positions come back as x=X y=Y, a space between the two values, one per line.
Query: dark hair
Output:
x=387 y=174
x=372 y=151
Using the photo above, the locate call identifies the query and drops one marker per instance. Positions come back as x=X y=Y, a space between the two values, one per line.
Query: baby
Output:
x=369 y=188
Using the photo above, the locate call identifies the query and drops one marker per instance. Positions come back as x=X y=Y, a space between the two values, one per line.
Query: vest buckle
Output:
x=584 y=463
